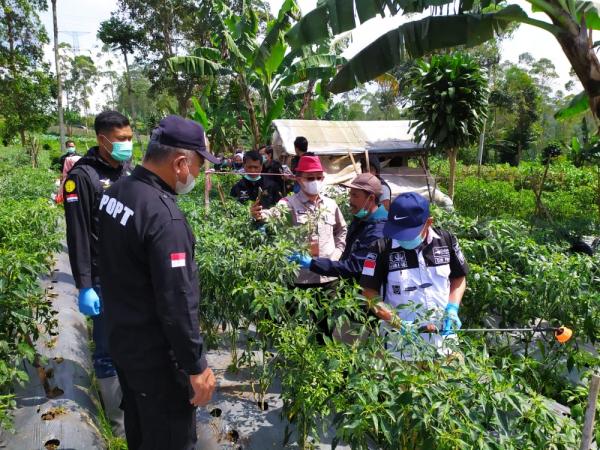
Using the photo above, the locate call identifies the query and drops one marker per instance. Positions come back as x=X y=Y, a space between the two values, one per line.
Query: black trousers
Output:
x=158 y=414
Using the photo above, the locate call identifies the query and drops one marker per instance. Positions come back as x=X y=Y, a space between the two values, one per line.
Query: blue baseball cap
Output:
x=175 y=131
x=407 y=216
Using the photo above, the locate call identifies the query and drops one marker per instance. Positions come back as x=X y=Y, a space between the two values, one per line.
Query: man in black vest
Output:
x=83 y=189
x=248 y=187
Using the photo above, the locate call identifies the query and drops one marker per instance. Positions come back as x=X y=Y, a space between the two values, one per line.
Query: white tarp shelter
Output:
x=334 y=140
x=339 y=137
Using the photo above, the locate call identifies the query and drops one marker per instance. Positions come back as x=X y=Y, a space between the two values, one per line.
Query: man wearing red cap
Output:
x=309 y=205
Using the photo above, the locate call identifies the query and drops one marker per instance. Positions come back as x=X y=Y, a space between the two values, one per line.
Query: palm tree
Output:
x=451 y=23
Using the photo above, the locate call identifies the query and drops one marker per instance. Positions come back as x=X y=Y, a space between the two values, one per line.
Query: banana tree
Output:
x=263 y=70
x=450 y=23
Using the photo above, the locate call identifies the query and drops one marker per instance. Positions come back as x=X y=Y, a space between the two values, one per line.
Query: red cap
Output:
x=309 y=164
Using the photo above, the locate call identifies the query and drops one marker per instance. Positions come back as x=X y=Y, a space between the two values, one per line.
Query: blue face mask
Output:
x=70 y=149
x=121 y=151
x=361 y=214
x=412 y=244
x=250 y=178
x=264 y=158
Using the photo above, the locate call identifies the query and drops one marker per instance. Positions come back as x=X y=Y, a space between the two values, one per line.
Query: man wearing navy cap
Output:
x=150 y=289
x=418 y=271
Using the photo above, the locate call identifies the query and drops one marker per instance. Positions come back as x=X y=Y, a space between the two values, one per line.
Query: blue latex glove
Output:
x=451 y=320
x=301 y=258
x=89 y=302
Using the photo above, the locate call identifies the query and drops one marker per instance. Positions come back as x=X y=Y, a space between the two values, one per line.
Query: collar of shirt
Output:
x=148 y=177
x=379 y=214
x=431 y=235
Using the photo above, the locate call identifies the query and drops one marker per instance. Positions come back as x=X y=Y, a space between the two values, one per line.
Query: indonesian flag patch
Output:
x=72 y=198
x=369 y=267
x=177 y=259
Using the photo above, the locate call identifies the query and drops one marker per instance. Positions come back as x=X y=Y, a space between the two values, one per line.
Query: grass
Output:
x=112 y=442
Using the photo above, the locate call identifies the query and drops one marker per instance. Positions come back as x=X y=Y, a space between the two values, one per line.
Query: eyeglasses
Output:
x=313 y=178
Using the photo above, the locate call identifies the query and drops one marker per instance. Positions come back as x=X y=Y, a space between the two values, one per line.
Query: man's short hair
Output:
x=252 y=155
x=301 y=144
x=269 y=151
x=69 y=142
x=159 y=153
x=109 y=120
x=374 y=163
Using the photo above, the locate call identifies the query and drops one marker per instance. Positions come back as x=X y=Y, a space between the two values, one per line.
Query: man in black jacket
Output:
x=248 y=187
x=82 y=190
x=151 y=290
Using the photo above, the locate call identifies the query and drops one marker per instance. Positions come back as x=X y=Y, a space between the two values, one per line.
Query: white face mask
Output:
x=184 y=188
x=312 y=187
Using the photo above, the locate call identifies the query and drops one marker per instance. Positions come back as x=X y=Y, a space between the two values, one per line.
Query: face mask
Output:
x=264 y=158
x=184 y=188
x=412 y=244
x=251 y=178
x=237 y=166
x=362 y=213
x=121 y=151
x=70 y=149
x=312 y=187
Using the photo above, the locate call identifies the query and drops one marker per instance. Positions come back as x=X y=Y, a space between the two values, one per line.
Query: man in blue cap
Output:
x=151 y=292
x=417 y=270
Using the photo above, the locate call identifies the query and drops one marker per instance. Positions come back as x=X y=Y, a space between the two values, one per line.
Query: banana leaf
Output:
x=418 y=38
x=578 y=104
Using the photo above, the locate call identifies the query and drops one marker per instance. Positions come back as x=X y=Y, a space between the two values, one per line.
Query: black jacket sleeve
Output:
x=347 y=268
x=78 y=202
x=175 y=282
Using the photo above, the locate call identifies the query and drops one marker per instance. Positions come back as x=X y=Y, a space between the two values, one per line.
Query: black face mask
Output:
x=237 y=165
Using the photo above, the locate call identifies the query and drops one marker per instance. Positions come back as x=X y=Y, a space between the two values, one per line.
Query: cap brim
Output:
x=393 y=231
x=207 y=155
x=362 y=188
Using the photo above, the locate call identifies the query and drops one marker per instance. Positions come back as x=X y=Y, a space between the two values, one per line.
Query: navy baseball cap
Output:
x=175 y=131
x=407 y=216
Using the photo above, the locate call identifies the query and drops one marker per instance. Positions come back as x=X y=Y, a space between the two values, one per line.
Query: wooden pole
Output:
x=353 y=162
x=206 y=190
x=590 y=414
x=368 y=162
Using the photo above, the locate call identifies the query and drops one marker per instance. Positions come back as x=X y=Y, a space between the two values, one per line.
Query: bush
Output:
x=480 y=198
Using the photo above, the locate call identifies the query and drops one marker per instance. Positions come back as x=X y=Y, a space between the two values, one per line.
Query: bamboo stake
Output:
x=220 y=191
x=590 y=414
x=368 y=162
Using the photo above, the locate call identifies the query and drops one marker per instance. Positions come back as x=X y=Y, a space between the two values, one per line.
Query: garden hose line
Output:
x=562 y=334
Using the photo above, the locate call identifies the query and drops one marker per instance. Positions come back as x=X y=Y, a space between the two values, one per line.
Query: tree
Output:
x=262 y=70
x=518 y=97
x=59 y=99
x=122 y=37
x=469 y=24
x=449 y=104
x=169 y=28
x=26 y=86
x=81 y=78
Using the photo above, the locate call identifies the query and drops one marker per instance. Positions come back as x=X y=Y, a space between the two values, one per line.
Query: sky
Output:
x=84 y=17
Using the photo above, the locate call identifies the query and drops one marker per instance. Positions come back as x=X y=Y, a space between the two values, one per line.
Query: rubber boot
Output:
x=110 y=390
